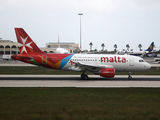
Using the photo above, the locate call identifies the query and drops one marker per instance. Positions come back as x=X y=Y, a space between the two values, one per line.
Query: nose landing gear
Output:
x=129 y=76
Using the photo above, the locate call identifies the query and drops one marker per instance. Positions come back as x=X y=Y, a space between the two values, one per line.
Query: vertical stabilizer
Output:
x=150 y=48
x=26 y=44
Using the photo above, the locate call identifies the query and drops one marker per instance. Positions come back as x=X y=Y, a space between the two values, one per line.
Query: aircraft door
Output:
x=131 y=61
x=44 y=59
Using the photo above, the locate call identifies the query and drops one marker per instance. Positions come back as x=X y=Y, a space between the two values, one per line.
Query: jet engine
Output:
x=107 y=72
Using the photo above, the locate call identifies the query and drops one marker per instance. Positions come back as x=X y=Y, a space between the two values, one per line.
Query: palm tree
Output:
x=140 y=46
x=91 y=44
x=95 y=50
x=128 y=47
x=115 y=48
x=103 y=45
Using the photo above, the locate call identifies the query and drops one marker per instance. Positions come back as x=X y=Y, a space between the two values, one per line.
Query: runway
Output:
x=76 y=81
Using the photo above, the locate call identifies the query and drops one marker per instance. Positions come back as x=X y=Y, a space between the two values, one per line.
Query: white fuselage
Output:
x=118 y=62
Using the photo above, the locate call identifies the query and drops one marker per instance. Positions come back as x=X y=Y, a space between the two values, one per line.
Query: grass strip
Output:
x=79 y=103
x=31 y=70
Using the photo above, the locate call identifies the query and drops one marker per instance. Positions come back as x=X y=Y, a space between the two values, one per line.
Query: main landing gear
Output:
x=84 y=76
x=129 y=76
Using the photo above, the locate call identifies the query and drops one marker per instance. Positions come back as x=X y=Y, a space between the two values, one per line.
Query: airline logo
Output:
x=151 y=47
x=72 y=62
x=114 y=59
x=24 y=45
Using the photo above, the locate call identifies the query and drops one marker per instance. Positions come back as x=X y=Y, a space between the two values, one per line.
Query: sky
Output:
x=110 y=22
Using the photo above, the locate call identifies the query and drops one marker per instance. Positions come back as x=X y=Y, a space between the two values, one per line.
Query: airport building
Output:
x=70 y=46
x=8 y=47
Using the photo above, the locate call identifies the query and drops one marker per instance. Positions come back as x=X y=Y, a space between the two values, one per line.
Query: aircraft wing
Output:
x=91 y=67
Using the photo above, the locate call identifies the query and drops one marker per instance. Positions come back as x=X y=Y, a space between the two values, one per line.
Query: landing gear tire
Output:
x=130 y=78
x=84 y=77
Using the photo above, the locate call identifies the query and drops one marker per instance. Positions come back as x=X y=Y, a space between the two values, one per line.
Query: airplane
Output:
x=61 y=50
x=138 y=53
x=99 y=64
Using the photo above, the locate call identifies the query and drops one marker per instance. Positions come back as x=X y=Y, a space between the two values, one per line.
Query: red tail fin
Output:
x=26 y=44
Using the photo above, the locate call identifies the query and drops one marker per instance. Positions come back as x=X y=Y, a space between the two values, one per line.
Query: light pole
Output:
x=80 y=31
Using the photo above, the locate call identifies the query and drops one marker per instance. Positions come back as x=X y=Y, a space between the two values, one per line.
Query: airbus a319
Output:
x=104 y=65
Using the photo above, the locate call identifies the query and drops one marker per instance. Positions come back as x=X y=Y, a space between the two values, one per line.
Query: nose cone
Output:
x=147 y=66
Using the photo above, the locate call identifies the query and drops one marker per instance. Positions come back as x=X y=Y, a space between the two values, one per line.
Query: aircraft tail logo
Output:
x=26 y=44
x=150 y=48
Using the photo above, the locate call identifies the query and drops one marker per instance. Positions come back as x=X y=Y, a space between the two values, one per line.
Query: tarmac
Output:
x=95 y=81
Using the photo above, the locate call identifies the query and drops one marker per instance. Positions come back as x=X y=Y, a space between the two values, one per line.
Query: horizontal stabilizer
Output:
x=23 y=57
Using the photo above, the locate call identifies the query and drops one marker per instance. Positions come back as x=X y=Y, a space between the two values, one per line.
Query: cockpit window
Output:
x=141 y=60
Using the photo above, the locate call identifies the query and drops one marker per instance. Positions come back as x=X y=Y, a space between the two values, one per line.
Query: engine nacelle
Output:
x=107 y=72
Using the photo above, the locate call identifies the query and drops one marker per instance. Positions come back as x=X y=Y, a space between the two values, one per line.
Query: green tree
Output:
x=95 y=50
